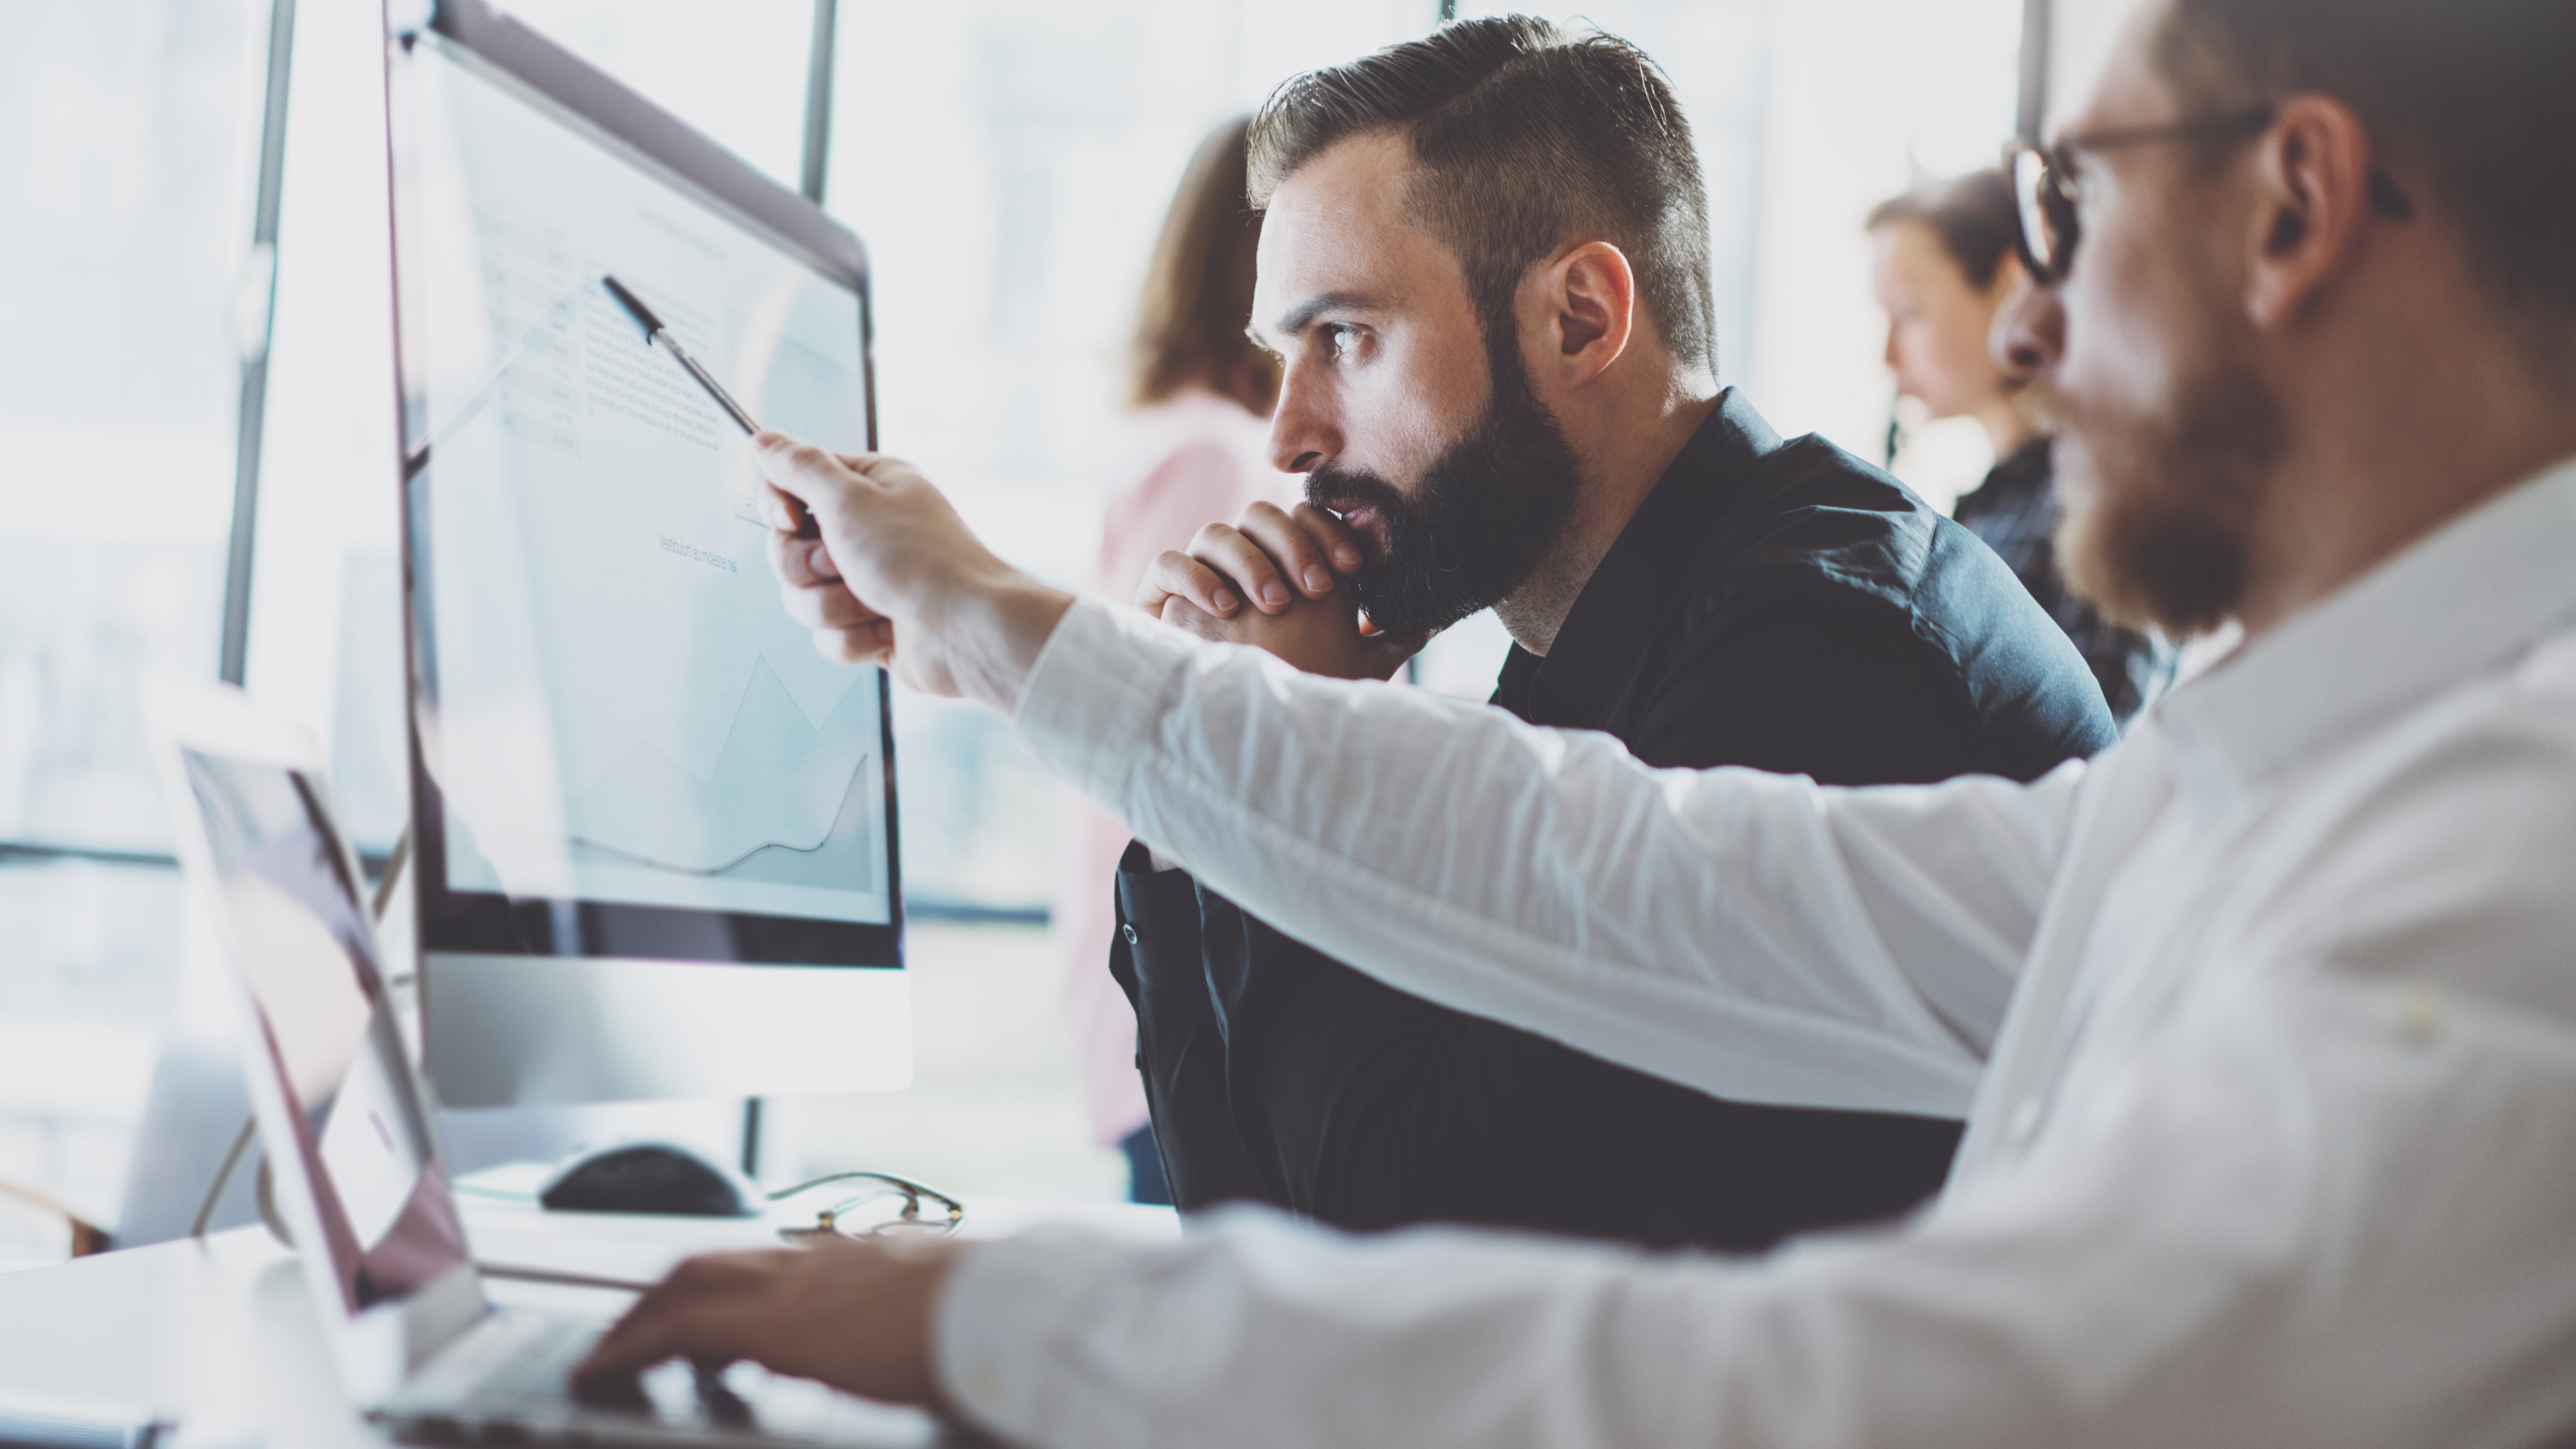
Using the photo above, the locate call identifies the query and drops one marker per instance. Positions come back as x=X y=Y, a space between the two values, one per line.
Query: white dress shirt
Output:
x=2265 y=1023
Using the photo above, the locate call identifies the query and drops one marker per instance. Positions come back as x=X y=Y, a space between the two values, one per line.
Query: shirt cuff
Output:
x=1099 y=686
x=1008 y=1328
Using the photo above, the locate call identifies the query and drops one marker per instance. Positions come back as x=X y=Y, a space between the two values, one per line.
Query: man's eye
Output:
x=1342 y=338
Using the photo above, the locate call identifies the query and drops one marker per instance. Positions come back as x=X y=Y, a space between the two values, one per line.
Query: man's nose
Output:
x=1303 y=433
x=2029 y=332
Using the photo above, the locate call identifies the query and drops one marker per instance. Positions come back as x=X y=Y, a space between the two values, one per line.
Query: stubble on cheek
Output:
x=2167 y=441
x=2159 y=500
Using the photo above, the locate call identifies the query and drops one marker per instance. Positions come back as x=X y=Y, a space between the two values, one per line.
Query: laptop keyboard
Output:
x=534 y=1374
x=508 y=1382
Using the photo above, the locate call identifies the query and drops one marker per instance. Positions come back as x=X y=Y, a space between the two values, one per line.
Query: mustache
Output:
x=1342 y=489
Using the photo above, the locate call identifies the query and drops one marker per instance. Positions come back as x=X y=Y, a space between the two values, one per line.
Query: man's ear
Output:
x=1587 y=299
x=2312 y=205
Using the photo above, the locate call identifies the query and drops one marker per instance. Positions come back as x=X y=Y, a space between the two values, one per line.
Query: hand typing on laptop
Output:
x=854 y=1315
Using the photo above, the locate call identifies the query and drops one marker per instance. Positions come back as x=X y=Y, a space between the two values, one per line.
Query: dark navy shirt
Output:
x=1786 y=606
x=2016 y=511
x=1780 y=605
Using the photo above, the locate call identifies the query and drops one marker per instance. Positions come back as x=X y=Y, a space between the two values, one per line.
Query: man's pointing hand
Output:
x=896 y=578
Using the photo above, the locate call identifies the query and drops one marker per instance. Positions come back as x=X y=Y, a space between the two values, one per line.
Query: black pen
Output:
x=655 y=332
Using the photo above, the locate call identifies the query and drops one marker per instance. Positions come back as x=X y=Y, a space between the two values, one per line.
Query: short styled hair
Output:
x=1524 y=136
x=1198 y=287
x=2477 y=97
x=1974 y=217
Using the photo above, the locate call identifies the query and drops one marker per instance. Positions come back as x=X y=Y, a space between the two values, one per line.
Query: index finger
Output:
x=671 y=1316
x=1303 y=543
x=1336 y=536
x=808 y=474
x=1175 y=575
x=701 y=1332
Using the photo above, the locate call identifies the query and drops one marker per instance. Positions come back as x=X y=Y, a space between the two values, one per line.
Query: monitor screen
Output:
x=326 y=1029
x=611 y=706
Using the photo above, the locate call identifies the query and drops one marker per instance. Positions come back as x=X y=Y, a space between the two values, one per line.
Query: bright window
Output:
x=1007 y=162
x=133 y=128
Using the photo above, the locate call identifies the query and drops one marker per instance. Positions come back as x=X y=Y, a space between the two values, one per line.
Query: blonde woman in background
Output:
x=1945 y=263
x=1202 y=395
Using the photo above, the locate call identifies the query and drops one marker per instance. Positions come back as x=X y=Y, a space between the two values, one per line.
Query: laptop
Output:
x=354 y=1157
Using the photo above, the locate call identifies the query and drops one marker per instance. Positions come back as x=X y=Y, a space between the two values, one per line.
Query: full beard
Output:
x=1478 y=523
x=2159 y=504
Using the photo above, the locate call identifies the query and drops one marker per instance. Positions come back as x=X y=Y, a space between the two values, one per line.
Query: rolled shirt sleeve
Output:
x=1758 y=937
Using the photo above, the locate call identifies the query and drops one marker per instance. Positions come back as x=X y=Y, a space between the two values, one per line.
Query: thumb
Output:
x=1389 y=651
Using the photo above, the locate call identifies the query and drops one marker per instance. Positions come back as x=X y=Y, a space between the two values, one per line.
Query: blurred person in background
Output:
x=1202 y=394
x=1945 y=266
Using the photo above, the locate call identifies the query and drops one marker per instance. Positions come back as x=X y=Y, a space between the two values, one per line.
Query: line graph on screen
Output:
x=758 y=815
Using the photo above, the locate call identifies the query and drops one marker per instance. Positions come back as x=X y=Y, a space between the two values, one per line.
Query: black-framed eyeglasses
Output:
x=31 y=1220
x=837 y=1220
x=2043 y=185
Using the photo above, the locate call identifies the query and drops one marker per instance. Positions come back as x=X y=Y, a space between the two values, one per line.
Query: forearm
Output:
x=995 y=634
x=1719 y=929
x=2224 y=1240
x=1262 y=1332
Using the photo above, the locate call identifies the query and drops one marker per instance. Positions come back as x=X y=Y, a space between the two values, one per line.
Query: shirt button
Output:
x=2024 y=1120
x=1128 y=930
x=2420 y=1015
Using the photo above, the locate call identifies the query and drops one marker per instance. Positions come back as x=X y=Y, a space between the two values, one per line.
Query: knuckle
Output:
x=693 y=1272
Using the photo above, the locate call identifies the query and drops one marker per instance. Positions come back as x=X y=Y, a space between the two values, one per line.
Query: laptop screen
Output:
x=302 y=943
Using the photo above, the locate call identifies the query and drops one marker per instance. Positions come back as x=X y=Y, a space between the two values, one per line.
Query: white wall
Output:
x=2081 y=36
x=1866 y=98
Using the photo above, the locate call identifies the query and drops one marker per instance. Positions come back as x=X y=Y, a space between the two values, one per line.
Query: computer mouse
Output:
x=648 y=1177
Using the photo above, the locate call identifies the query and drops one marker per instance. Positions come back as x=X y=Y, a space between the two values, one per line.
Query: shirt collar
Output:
x=2030 y=468
x=1607 y=630
x=2477 y=591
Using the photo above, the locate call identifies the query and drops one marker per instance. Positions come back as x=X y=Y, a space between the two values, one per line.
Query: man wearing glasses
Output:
x=2276 y=1139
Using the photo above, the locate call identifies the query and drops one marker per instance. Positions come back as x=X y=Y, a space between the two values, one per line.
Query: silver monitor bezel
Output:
x=488 y=924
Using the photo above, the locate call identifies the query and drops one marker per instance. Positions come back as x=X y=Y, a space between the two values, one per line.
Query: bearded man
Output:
x=1500 y=384
x=2274 y=1139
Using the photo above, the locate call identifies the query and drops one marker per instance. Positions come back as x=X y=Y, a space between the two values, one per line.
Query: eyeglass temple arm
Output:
x=87 y=1237
x=913 y=1192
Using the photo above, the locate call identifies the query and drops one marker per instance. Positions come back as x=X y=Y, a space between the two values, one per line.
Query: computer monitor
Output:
x=654 y=832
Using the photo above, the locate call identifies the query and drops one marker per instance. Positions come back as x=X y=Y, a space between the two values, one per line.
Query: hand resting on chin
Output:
x=1313 y=623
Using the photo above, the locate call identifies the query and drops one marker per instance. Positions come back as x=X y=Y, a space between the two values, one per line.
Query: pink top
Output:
x=1199 y=460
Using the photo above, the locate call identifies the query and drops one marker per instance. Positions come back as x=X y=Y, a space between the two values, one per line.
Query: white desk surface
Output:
x=219 y=1334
